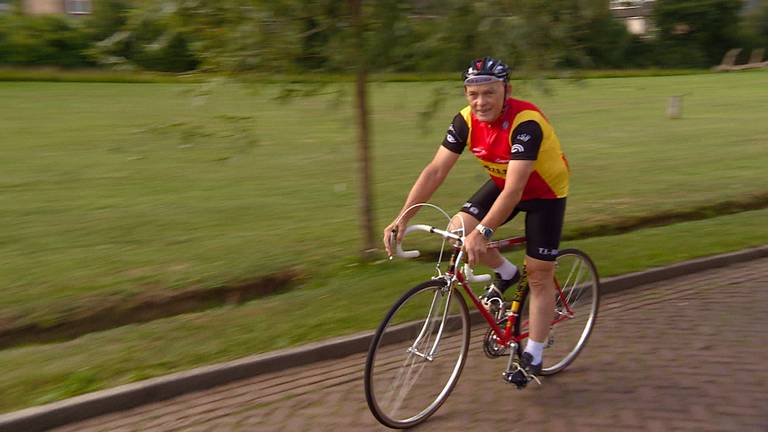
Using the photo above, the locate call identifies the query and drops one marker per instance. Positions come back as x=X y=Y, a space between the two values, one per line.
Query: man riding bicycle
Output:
x=518 y=148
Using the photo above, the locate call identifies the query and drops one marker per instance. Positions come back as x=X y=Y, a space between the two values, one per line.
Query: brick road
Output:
x=687 y=354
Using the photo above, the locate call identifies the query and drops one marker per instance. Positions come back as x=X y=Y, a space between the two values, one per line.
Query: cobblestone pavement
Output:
x=687 y=354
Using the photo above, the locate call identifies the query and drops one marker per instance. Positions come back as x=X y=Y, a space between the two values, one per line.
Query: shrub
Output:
x=42 y=41
x=148 y=44
x=691 y=29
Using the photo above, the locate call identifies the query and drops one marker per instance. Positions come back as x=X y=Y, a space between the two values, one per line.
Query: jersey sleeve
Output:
x=457 y=135
x=526 y=141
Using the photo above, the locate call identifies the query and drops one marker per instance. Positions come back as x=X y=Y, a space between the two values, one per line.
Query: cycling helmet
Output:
x=485 y=70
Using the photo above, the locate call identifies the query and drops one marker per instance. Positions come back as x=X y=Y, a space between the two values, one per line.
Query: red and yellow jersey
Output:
x=522 y=132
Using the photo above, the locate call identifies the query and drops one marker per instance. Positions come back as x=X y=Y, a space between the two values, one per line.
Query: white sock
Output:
x=536 y=349
x=506 y=270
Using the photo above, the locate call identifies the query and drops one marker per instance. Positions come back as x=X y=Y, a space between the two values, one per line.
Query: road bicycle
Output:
x=418 y=351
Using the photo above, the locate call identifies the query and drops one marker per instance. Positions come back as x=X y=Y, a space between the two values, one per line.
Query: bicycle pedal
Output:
x=510 y=379
x=520 y=380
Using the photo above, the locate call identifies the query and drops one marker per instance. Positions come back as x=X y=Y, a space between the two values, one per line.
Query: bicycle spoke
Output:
x=417 y=355
x=577 y=282
x=403 y=382
x=575 y=311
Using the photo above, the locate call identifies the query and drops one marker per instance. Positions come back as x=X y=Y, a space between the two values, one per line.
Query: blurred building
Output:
x=636 y=15
x=44 y=7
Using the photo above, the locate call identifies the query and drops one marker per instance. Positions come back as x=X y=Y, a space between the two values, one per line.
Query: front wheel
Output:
x=417 y=354
x=575 y=309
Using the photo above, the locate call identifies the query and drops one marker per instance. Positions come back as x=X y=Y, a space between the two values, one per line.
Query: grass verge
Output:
x=114 y=191
x=347 y=298
x=106 y=313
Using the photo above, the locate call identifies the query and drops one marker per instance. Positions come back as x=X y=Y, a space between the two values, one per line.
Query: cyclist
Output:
x=517 y=146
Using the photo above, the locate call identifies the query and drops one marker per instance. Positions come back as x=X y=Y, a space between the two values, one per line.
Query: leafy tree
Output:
x=107 y=18
x=42 y=40
x=15 y=6
x=606 y=42
x=535 y=35
x=756 y=26
x=151 y=38
x=240 y=35
x=354 y=36
x=710 y=27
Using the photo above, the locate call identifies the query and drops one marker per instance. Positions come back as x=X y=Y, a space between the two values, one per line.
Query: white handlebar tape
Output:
x=426 y=228
x=472 y=277
x=411 y=253
x=407 y=254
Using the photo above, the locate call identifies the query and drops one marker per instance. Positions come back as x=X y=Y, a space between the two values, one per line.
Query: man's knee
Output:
x=461 y=219
x=541 y=274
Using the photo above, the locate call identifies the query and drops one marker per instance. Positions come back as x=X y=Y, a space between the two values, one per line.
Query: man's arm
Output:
x=525 y=142
x=518 y=172
x=431 y=177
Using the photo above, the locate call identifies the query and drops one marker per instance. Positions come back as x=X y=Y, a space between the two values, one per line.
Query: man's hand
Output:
x=399 y=228
x=475 y=246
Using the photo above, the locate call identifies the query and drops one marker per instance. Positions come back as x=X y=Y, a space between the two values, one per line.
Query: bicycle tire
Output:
x=395 y=339
x=580 y=285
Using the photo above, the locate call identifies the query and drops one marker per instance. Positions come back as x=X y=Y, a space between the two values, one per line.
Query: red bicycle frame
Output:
x=505 y=336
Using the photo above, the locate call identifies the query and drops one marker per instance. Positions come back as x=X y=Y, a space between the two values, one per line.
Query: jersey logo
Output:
x=523 y=137
x=450 y=139
x=517 y=148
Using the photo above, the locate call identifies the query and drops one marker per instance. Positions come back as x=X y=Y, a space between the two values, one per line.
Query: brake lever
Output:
x=392 y=243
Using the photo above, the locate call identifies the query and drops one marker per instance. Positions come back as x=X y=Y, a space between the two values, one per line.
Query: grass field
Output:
x=354 y=300
x=109 y=190
x=114 y=189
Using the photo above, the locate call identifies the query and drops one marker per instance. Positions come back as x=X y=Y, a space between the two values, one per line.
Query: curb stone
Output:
x=128 y=396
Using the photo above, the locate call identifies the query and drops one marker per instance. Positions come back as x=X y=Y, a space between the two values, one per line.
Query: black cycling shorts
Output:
x=543 y=219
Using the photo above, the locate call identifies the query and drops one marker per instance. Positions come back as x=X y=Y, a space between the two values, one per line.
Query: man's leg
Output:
x=472 y=212
x=541 y=306
x=541 y=282
x=543 y=226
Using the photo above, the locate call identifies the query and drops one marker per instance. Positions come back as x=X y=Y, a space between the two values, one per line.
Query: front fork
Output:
x=426 y=328
x=447 y=291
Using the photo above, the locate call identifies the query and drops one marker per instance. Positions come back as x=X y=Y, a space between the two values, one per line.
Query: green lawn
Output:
x=113 y=189
x=109 y=190
x=354 y=299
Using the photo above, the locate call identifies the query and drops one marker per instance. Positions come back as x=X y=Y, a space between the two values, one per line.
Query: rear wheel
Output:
x=417 y=354
x=575 y=309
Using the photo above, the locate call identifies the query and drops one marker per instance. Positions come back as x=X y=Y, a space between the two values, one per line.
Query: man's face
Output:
x=486 y=100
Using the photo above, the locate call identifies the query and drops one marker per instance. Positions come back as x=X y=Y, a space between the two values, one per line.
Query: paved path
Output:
x=686 y=354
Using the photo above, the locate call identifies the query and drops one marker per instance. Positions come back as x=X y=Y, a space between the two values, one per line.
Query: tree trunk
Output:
x=361 y=81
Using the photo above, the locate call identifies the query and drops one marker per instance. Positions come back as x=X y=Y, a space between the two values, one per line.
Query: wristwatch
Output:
x=485 y=231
